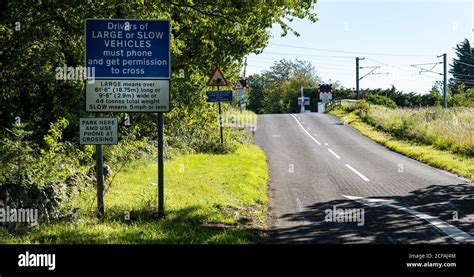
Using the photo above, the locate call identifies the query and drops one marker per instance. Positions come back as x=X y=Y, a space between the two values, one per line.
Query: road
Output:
x=330 y=184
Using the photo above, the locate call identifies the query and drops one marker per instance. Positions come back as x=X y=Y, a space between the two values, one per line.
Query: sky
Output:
x=392 y=34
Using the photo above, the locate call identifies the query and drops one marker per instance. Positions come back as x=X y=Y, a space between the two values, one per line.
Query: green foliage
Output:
x=255 y=95
x=339 y=91
x=203 y=34
x=16 y=154
x=208 y=200
x=462 y=67
x=37 y=181
x=450 y=129
x=361 y=107
x=380 y=100
x=457 y=163
x=44 y=158
x=464 y=98
x=400 y=98
x=277 y=89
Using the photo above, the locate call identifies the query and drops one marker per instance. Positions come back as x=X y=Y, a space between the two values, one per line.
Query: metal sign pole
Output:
x=161 y=191
x=302 y=100
x=100 y=178
x=220 y=120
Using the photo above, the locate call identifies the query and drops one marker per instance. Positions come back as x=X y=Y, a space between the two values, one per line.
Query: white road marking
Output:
x=309 y=128
x=326 y=143
x=392 y=241
x=445 y=227
x=300 y=205
x=315 y=135
x=332 y=152
x=306 y=131
x=306 y=221
x=358 y=173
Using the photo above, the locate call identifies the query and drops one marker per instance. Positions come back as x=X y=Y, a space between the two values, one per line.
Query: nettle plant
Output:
x=39 y=179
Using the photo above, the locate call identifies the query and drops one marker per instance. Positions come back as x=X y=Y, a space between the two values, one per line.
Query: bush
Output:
x=361 y=108
x=380 y=100
x=462 y=99
x=36 y=181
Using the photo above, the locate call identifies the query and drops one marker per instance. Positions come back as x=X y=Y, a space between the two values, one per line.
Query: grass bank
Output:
x=443 y=139
x=208 y=199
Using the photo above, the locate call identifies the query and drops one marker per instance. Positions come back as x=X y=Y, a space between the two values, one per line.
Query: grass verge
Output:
x=456 y=163
x=208 y=199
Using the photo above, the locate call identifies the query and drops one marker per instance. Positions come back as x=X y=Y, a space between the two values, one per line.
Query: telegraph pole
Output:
x=245 y=69
x=445 y=92
x=357 y=76
x=371 y=72
x=445 y=96
x=302 y=100
x=245 y=65
x=445 y=74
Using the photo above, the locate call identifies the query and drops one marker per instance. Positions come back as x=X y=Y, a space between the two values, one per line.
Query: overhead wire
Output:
x=348 y=52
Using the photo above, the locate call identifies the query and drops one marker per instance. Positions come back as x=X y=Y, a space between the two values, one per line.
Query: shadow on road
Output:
x=382 y=224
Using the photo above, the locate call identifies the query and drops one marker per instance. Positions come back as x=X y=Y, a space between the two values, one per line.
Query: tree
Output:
x=462 y=67
x=281 y=85
x=255 y=95
x=339 y=91
x=39 y=36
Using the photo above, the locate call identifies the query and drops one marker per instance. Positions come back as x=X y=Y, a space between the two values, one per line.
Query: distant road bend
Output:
x=330 y=184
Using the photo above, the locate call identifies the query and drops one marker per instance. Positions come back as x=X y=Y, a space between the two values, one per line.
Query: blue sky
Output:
x=391 y=34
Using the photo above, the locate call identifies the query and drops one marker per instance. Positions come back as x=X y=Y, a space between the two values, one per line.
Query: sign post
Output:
x=99 y=165
x=302 y=102
x=220 y=121
x=161 y=167
x=217 y=79
x=131 y=62
x=239 y=93
x=98 y=131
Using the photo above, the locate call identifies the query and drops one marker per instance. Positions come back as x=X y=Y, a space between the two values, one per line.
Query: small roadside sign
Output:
x=306 y=101
x=239 y=90
x=98 y=131
x=325 y=96
x=217 y=79
x=240 y=93
x=219 y=96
